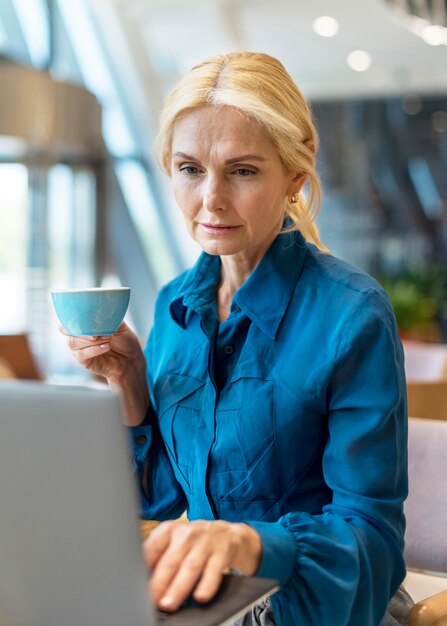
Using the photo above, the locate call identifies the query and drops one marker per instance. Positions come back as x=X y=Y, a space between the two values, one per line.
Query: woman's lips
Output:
x=218 y=229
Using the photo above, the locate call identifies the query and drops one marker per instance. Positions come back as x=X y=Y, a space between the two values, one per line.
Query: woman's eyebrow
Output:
x=237 y=159
x=182 y=155
x=244 y=157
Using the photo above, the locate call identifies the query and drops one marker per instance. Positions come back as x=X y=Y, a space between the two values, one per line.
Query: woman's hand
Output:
x=107 y=356
x=120 y=359
x=192 y=557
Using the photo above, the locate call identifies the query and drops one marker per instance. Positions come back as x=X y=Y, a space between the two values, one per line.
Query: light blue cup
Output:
x=91 y=312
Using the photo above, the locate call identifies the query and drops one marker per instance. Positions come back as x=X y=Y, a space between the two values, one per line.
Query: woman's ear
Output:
x=310 y=144
x=297 y=183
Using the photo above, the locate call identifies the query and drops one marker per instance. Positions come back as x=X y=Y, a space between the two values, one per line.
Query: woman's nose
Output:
x=214 y=195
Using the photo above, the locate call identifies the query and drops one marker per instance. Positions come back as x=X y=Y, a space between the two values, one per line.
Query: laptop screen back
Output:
x=69 y=537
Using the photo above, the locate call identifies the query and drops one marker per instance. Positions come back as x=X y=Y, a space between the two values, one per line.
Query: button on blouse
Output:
x=231 y=335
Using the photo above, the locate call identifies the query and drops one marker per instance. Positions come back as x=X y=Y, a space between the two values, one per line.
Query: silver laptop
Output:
x=70 y=549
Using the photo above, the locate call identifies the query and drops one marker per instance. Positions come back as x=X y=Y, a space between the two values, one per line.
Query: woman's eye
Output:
x=190 y=170
x=244 y=171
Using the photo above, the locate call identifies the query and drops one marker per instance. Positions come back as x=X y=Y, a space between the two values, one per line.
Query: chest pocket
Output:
x=253 y=420
x=181 y=423
x=245 y=459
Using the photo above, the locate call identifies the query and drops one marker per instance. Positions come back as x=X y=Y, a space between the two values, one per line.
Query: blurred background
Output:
x=82 y=202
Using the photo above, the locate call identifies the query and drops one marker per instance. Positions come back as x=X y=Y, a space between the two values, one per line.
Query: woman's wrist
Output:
x=249 y=549
x=133 y=388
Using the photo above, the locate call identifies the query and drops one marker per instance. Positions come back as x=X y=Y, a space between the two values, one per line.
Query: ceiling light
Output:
x=326 y=26
x=412 y=104
x=439 y=121
x=433 y=35
x=425 y=18
x=359 y=60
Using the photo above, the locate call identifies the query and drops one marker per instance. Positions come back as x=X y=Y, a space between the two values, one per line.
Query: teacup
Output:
x=91 y=312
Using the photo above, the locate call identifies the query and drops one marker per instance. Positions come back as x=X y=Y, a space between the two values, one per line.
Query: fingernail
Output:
x=201 y=596
x=166 y=601
x=104 y=346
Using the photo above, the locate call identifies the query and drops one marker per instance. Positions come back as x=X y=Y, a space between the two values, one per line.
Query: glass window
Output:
x=97 y=76
x=71 y=220
x=13 y=246
x=12 y=41
x=71 y=243
x=33 y=17
x=145 y=215
x=3 y=35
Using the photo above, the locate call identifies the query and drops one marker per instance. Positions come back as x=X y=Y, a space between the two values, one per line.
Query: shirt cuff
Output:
x=278 y=551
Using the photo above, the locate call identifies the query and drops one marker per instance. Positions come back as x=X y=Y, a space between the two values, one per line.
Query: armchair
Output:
x=426 y=512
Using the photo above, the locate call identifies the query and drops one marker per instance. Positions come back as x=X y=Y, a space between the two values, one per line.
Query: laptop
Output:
x=70 y=547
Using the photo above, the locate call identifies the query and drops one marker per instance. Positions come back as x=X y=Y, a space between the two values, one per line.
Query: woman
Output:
x=273 y=373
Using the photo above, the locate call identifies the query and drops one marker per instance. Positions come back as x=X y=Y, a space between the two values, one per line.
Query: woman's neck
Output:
x=233 y=276
x=235 y=269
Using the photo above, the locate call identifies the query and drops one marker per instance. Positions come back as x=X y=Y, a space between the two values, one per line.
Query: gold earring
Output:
x=293 y=199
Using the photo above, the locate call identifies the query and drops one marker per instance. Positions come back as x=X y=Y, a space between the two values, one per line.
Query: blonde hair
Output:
x=259 y=86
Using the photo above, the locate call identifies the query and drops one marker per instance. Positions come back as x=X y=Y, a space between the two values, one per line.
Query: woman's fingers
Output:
x=211 y=578
x=187 y=557
x=179 y=578
x=111 y=356
x=199 y=573
x=157 y=543
x=84 y=355
x=86 y=348
x=191 y=557
x=165 y=551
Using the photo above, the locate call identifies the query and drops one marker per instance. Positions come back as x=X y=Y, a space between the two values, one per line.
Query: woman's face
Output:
x=229 y=182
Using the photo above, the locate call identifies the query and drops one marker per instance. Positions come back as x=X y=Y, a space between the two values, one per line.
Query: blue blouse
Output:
x=290 y=416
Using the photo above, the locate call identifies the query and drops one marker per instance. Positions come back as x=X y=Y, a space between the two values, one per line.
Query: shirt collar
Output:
x=198 y=288
x=265 y=295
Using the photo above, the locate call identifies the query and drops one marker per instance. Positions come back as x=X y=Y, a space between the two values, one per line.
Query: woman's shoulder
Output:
x=332 y=272
x=342 y=289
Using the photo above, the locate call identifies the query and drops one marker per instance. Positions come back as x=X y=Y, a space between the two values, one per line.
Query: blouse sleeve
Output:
x=161 y=496
x=343 y=566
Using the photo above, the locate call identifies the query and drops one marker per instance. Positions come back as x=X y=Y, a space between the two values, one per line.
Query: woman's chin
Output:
x=219 y=250
x=219 y=247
